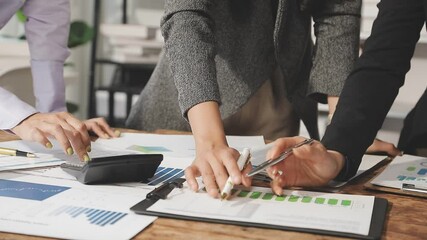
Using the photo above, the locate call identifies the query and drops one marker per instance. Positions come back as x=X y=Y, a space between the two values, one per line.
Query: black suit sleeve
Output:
x=375 y=81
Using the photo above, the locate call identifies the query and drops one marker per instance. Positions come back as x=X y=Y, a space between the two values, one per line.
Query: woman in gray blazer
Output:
x=246 y=67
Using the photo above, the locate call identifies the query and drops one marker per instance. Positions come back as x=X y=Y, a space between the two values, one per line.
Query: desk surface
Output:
x=406 y=219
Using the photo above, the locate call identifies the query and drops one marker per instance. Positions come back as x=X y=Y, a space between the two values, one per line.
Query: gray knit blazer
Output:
x=224 y=50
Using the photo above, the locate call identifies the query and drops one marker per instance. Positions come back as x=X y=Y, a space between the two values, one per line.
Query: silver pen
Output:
x=281 y=157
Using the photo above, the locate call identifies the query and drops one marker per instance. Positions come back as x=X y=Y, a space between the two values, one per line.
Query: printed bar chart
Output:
x=409 y=178
x=255 y=195
x=414 y=173
x=306 y=199
x=422 y=171
x=293 y=198
x=94 y=216
x=411 y=168
x=268 y=196
x=165 y=175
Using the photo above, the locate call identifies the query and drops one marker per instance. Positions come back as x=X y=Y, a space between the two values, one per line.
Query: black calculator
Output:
x=123 y=168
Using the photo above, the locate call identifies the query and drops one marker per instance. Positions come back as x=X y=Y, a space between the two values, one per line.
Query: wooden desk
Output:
x=406 y=219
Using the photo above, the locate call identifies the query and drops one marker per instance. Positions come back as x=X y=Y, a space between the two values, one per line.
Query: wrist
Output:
x=13 y=129
x=206 y=125
x=339 y=160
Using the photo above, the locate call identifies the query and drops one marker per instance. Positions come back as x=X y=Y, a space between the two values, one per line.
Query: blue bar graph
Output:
x=94 y=216
x=401 y=178
x=409 y=178
x=422 y=171
x=29 y=191
x=165 y=174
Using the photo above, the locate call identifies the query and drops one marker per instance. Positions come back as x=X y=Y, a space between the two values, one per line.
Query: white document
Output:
x=404 y=169
x=301 y=209
x=173 y=145
x=49 y=157
x=57 y=208
x=13 y=162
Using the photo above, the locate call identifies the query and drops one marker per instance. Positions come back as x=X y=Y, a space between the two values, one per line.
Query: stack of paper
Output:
x=133 y=43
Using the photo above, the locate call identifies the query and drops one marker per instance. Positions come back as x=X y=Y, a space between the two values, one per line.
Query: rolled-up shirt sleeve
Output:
x=47 y=30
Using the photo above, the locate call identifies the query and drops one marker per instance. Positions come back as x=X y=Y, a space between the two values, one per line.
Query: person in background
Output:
x=246 y=67
x=47 y=29
x=363 y=105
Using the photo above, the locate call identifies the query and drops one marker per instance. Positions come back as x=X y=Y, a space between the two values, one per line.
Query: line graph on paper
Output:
x=29 y=191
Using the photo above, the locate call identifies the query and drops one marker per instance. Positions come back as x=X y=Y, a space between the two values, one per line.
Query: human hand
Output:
x=215 y=165
x=70 y=132
x=307 y=166
x=379 y=146
x=101 y=128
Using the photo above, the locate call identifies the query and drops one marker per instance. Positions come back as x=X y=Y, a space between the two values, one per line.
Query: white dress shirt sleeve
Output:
x=46 y=30
x=12 y=110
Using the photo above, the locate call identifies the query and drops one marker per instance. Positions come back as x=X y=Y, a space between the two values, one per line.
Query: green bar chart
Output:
x=293 y=198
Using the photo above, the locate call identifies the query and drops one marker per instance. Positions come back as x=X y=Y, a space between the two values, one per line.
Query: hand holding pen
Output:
x=241 y=163
x=273 y=161
x=309 y=165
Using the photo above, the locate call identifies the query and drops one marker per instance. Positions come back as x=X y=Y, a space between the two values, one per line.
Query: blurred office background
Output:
x=117 y=68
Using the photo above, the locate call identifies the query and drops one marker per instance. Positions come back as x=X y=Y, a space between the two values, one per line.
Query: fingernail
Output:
x=70 y=151
x=49 y=145
x=117 y=133
x=89 y=149
x=192 y=186
x=106 y=136
x=235 y=179
x=214 y=192
x=86 y=158
x=278 y=191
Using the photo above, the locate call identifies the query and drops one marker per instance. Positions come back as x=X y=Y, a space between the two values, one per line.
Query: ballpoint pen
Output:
x=241 y=162
x=15 y=152
x=280 y=158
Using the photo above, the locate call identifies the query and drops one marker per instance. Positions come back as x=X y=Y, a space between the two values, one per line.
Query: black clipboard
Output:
x=375 y=231
x=409 y=191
